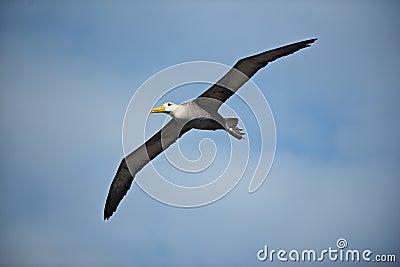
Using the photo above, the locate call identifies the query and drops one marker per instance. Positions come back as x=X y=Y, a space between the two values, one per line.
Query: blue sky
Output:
x=69 y=69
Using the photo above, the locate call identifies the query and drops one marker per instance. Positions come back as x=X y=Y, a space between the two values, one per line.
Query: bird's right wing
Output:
x=244 y=69
x=138 y=159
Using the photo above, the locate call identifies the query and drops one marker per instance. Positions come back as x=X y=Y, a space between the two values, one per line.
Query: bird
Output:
x=200 y=113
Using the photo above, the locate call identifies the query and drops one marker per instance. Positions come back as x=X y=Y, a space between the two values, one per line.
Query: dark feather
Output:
x=244 y=69
x=137 y=160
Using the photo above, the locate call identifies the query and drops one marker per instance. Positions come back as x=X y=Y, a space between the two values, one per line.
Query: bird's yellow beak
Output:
x=158 y=110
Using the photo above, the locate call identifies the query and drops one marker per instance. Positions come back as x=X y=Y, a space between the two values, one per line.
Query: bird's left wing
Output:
x=244 y=69
x=138 y=159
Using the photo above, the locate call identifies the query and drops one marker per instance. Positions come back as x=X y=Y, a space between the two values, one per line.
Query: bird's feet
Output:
x=237 y=132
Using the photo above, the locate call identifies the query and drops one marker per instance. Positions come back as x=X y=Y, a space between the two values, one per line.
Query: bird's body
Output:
x=201 y=118
x=200 y=113
x=188 y=111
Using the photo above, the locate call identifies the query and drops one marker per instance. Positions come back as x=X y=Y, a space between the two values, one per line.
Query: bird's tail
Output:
x=232 y=128
x=231 y=122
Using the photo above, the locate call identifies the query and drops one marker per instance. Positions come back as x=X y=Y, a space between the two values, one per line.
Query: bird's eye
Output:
x=169 y=104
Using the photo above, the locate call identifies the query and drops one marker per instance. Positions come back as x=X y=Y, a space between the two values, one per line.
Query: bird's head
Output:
x=165 y=108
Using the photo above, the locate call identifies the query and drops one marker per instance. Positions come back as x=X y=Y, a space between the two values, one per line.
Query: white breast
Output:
x=188 y=111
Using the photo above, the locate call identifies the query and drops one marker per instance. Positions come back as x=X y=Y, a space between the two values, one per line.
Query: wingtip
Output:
x=312 y=40
x=309 y=41
x=107 y=217
x=107 y=212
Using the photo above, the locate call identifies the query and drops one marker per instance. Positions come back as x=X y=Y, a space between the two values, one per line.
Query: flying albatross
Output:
x=200 y=113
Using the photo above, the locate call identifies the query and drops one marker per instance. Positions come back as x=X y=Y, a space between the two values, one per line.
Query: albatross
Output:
x=200 y=113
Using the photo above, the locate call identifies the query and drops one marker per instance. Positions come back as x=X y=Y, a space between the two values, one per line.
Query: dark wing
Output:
x=244 y=69
x=138 y=159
